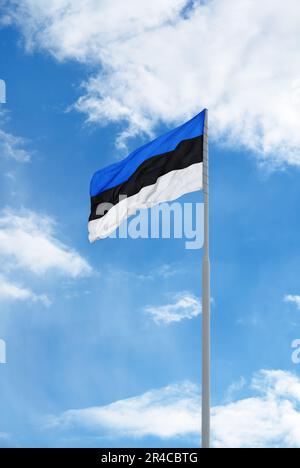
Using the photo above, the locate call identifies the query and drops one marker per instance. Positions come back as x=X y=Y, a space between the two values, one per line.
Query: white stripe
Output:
x=167 y=188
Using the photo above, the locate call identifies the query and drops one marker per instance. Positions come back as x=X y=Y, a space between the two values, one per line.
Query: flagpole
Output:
x=206 y=299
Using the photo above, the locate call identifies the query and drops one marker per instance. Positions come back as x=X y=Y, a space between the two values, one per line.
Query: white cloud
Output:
x=161 y=271
x=169 y=412
x=28 y=241
x=5 y=20
x=167 y=271
x=235 y=388
x=11 y=146
x=186 y=306
x=269 y=418
x=293 y=300
x=12 y=292
x=156 y=64
x=79 y=29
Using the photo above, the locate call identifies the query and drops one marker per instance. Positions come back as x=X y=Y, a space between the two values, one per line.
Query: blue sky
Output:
x=86 y=365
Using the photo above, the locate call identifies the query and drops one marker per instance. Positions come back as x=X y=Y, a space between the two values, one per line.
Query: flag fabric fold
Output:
x=160 y=171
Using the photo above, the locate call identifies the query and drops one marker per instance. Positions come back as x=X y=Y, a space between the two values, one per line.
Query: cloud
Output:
x=160 y=271
x=12 y=292
x=293 y=300
x=101 y=22
x=235 y=388
x=163 y=61
x=28 y=241
x=5 y=20
x=186 y=306
x=169 y=412
x=269 y=418
x=167 y=271
x=12 y=147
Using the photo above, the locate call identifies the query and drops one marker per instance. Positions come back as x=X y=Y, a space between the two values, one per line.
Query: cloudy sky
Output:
x=103 y=341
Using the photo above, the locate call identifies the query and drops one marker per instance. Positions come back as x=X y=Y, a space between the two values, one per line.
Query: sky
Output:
x=103 y=341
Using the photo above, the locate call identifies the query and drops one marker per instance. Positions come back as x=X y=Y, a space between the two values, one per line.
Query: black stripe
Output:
x=188 y=152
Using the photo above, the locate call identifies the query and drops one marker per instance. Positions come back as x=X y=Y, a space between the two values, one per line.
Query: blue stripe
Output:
x=120 y=172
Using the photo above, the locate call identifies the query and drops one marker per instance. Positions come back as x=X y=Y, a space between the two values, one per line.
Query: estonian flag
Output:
x=160 y=171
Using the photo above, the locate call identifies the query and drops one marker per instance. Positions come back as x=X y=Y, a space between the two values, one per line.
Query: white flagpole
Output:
x=206 y=299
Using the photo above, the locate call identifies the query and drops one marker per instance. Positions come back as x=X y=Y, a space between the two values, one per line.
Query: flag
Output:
x=160 y=171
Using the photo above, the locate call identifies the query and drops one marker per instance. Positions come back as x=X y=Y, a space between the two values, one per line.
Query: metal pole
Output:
x=206 y=299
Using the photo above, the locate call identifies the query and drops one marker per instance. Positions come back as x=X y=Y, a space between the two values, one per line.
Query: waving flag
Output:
x=160 y=171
